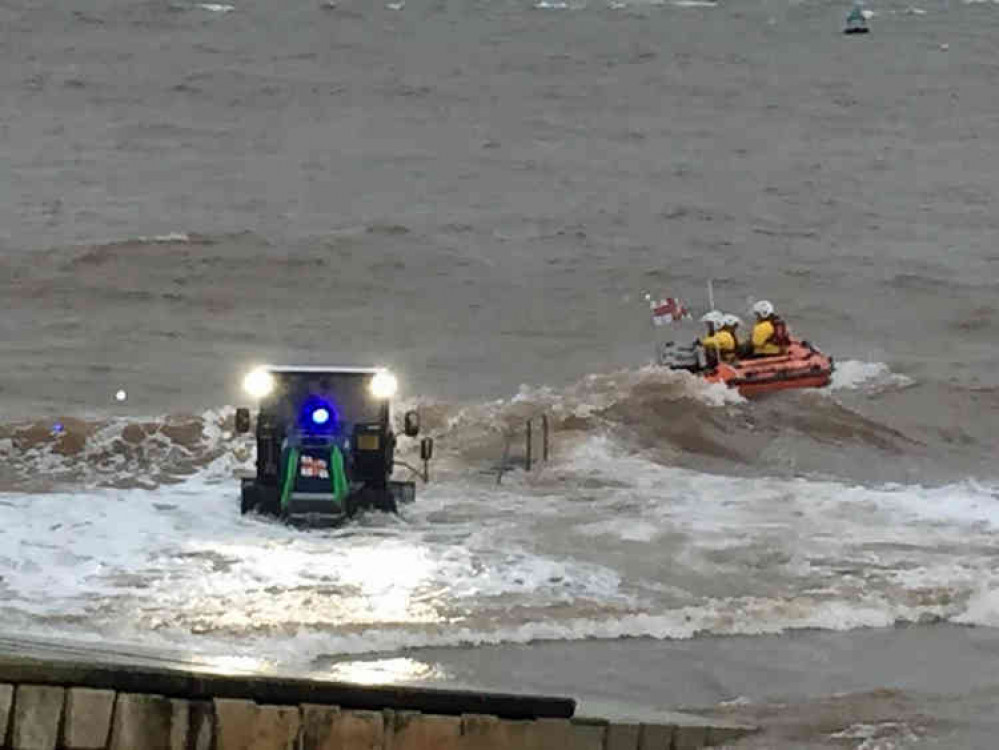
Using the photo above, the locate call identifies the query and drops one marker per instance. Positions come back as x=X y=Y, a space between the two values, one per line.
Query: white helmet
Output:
x=731 y=320
x=715 y=317
x=763 y=308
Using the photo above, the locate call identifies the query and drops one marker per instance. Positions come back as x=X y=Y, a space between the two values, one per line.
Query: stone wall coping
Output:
x=278 y=690
x=621 y=713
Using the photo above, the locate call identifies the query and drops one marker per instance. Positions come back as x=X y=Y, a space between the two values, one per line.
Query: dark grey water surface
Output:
x=477 y=194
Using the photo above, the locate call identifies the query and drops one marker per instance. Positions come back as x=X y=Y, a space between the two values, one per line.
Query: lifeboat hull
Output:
x=802 y=366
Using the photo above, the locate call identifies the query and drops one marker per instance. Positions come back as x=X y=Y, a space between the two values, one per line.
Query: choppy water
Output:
x=129 y=533
x=603 y=542
x=477 y=194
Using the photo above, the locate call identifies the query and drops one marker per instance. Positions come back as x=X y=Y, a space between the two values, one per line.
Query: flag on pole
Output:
x=668 y=310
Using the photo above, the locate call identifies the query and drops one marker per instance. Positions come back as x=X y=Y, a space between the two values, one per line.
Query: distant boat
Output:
x=856 y=22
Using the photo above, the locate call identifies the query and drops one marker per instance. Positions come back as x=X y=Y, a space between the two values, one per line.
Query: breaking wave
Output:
x=670 y=417
x=118 y=452
x=852 y=374
x=601 y=544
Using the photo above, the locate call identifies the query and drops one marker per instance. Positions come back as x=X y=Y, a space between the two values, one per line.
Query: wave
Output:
x=182 y=237
x=731 y=617
x=855 y=374
x=671 y=417
x=982 y=608
x=685 y=410
x=117 y=452
x=300 y=647
x=737 y=616
x=604 y=544
x=99 y=252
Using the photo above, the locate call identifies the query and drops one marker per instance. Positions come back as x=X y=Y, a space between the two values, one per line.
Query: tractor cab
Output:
x=325 y=445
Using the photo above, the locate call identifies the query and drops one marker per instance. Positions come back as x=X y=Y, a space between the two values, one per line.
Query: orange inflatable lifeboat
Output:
x=801 y=366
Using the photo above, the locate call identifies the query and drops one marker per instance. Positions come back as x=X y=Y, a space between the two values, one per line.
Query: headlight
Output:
x=384 y=385
x=258 y=383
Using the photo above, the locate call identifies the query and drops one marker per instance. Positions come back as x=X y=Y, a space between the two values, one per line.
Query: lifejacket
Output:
x=723 y=341
x=733 y=354
x=720 y=345
x=781 y=335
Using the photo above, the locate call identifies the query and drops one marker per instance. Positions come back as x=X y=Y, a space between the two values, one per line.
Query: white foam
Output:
x=733 y=616
x=625 y=529
x=217 y=7
x=601 y=544
x=182 y=237
x=885 y=735
x=851 y=374
x=869 y=731
x=982 y=607
x=739 y=700
x=598 y=391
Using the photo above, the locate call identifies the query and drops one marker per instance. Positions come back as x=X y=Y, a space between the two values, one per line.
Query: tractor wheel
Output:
x=270 y=501
x=248 y=498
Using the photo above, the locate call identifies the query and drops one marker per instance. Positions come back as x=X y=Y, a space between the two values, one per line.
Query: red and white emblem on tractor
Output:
x=315 y=468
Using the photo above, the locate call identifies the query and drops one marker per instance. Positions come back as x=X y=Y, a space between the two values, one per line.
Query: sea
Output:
x=482 y=195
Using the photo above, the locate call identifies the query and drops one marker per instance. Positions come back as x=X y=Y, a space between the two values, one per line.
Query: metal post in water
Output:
x=544 y=442
x=506 y=457
x=528 y=463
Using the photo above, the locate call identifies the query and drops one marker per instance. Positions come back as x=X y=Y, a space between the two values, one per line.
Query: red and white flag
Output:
x=668 y=310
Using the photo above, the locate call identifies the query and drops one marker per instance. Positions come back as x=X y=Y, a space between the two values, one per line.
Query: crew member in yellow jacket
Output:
x=730 y=323
x=721 y=342
x=770 y=334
